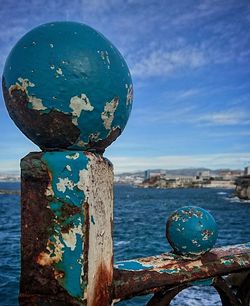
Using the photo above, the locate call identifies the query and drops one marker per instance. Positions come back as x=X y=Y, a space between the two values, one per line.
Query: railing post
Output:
x=69 y=90
x=67 y=215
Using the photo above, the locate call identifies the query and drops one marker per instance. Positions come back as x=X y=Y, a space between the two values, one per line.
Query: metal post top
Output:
x=67 y=87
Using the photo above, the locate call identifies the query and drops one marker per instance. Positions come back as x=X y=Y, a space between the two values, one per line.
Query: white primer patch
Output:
x=70 y=238
x=108 y=113
x=73 y=156
x=68 y=168
x=37 y=103
x=83 y=179
x=79 y=104
x=64 y=183
x=59 y=71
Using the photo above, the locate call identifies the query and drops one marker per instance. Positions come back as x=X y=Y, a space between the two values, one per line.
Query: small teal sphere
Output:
x=67 y=87
x=191 y=231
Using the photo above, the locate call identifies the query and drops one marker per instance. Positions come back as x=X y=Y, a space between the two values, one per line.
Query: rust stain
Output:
x=36 y=230
x=49 y=124
x=100 y=145
x=101 y=294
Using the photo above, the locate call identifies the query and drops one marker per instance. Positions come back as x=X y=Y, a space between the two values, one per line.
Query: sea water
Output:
x=139 y=230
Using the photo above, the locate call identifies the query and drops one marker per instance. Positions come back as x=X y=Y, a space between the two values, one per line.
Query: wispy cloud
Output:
x=162 y=62
x=229 y=134
x=228 y=117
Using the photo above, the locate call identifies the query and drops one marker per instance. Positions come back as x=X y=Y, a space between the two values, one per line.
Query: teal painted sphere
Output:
x=67 y=87
x=191 y=231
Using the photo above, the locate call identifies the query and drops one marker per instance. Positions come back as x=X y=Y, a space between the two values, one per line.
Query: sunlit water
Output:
x=139 y=230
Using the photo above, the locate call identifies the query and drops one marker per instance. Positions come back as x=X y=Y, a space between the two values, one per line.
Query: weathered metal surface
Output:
x=227 y=296
x=164 y=297
x=100 y=248
x=61 y=199
x=191 y=231
x=140 y=276
x=66 y=86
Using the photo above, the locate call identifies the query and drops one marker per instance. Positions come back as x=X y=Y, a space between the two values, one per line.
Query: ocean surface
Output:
x=139 y=230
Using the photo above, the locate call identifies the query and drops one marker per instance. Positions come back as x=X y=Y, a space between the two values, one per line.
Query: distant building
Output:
x=204 y=174
x=247 y=171
x=147 y=175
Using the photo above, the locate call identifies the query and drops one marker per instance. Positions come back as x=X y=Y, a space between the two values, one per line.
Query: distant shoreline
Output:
x=10 y=192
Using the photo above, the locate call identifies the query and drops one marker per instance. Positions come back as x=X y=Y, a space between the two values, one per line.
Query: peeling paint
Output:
x=63 y=78
x=23 y=85
x=191 y=231
x=70 y=238
x=79 y=104
x=53 y=254
x=132 y=265
x=68 y=168
x=59 y=71
x=108 y=113
x=73 y=156
x=64 y=183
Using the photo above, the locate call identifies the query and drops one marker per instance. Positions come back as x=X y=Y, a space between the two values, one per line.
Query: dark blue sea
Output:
x=140 y=218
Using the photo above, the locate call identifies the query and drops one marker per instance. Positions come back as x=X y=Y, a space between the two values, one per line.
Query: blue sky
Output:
x=190 y=63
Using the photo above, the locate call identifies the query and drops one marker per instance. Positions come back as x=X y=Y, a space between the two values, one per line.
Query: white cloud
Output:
x=163 y=62
x=228 y=117
x=213 y=161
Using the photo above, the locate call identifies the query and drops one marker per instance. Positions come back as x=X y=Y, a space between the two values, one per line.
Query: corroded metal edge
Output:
x=35 y=229
x=144 y=275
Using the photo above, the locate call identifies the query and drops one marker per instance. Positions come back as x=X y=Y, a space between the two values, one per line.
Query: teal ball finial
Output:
x=67 y=87
x=191 y=231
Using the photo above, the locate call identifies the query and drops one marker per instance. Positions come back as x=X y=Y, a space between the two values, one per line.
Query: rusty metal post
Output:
x=69 y=90
x=67 y=215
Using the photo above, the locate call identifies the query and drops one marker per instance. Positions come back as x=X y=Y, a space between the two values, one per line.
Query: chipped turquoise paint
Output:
x=169 y=271
x=203 y=282
x=71 y=264
x=67 y=59
x=132 y=266
x=228 y=262
x=191 y=231
x=92 y=220
x=65 y=168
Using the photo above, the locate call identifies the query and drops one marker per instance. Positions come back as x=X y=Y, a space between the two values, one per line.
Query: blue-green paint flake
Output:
x=65 y=183
x=92 y=219
x=203 y=282
x=65 y=244
x=132 y=265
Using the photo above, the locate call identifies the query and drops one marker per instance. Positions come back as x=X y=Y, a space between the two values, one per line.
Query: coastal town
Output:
x=179 y=178
x=191 y=178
